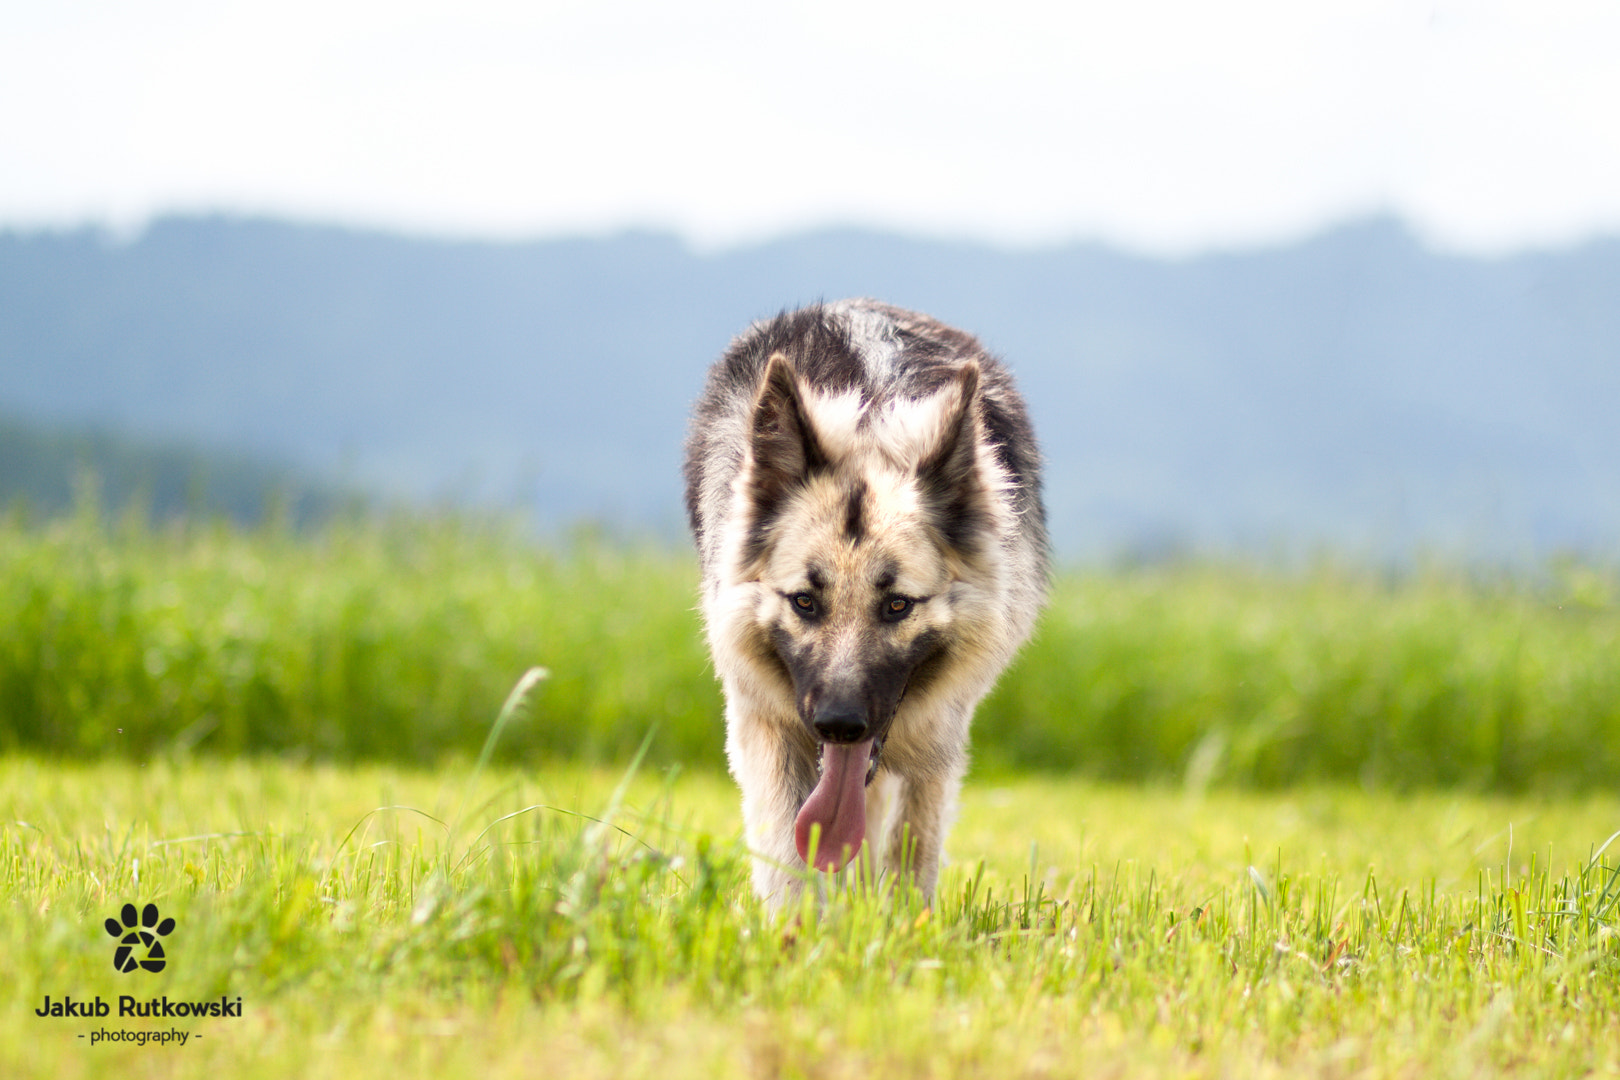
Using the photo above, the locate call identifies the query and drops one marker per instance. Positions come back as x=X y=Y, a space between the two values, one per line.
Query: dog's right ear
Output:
x=785 y=452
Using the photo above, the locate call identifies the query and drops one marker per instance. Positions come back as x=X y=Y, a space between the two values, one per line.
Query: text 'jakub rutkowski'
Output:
x=129 y=1006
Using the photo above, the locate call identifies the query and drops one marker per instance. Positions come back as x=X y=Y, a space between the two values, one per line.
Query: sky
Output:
x=1163 y=126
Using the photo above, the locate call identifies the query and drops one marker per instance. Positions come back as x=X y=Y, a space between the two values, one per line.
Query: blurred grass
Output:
x=387 y=640
x=1225 y=674
x=396 y=639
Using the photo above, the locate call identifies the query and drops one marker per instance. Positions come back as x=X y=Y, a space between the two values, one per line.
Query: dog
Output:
x=863 y=485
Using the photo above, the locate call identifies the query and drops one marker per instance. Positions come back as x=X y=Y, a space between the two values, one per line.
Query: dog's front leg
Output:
x=776 y=776
x=927 y=805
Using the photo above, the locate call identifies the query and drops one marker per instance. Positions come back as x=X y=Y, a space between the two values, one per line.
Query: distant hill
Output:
x=1355 y=391
x=48 y=471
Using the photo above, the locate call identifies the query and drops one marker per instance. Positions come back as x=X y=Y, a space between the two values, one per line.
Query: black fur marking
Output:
x=796 y=660
x=928 y=654
x=855 y=512
x=823 y=355
x=872 y=765
x=762 y=646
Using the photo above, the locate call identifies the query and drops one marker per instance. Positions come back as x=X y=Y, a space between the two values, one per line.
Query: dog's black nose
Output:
x=838 y=724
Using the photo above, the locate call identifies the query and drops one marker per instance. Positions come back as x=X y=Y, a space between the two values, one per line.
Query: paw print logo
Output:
x=140 y=930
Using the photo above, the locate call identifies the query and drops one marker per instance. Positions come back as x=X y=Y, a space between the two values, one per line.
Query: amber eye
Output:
x=805 y=603
x=896 y=607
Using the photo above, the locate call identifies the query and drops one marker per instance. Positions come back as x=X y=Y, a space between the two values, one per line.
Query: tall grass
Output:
x=366 y=640
x=391 y=640
x=1209 y=673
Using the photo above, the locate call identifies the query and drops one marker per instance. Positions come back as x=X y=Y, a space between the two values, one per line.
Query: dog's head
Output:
x=870 y=526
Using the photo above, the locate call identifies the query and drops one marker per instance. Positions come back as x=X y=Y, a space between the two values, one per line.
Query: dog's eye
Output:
x=804 y=602
x=896 y=607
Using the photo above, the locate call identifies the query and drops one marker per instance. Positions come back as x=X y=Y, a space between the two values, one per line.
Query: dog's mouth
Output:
x=837 y=805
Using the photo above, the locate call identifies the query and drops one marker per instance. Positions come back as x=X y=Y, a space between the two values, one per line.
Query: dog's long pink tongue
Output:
x=838 y=805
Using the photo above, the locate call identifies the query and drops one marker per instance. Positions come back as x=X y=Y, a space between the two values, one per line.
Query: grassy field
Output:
x=1221 y=823
x=382 y=922
x=394 y=640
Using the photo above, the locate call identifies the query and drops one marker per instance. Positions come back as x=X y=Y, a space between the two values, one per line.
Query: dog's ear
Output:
x=785 y=451
x=955 y=495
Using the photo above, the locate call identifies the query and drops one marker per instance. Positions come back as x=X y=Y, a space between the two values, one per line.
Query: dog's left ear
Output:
x=952 y=486
x=784 y=450
x=783 y=438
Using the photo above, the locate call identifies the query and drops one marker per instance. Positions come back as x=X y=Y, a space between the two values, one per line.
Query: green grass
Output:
x=1224 y=674
x=368 y=640
x=386 y=922
x=391 y=640
x=1368 y=834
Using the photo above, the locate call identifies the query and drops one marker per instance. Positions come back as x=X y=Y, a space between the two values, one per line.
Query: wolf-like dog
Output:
x=864 y=488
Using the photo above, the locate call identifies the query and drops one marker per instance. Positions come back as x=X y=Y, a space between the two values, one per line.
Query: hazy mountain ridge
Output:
x=1354 y=390
x=50 y=470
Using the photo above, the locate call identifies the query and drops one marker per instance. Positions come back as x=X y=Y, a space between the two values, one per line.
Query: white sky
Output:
x=1165 y=125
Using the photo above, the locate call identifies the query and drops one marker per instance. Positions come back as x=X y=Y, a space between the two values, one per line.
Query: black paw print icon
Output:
x=141 y=934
